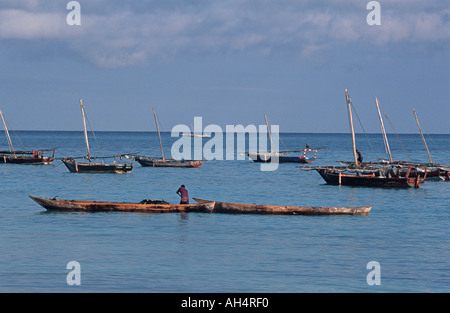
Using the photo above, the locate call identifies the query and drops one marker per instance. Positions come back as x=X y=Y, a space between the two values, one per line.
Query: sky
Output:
x=228 y=61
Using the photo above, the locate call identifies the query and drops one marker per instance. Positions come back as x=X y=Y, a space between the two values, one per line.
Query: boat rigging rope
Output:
x=395 y=132
x=92 y=131
x=15 y=134
x=443 y=156
x=279 y=138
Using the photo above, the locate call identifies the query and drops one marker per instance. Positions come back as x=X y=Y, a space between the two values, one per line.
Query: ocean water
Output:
x=407 y=231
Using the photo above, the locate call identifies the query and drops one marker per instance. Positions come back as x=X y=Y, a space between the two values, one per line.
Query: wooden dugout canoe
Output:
x=242 y=208
x=108 y=206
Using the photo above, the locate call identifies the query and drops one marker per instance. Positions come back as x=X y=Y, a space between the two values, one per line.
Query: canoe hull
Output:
x=77 y=167
x=156 y=162
x=25 y=160
x=241 y=208
x=107 y=206
x=333 y=178
x=280 y=159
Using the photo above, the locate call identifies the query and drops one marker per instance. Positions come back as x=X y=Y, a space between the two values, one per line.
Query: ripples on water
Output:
x=406 y=231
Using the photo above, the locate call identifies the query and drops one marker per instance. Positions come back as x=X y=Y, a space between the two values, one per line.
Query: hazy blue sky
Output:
x=229 y=61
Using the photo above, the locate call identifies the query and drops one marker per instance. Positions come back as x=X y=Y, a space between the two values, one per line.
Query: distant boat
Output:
x=163 y=162
x=192 y=134
x=244 y=208
x=373 y=176
x=195 y=135
x=280 y=156
x=35 y=157
x=120 y=164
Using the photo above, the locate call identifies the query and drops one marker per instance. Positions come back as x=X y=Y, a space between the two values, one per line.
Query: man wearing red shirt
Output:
x=183 y=193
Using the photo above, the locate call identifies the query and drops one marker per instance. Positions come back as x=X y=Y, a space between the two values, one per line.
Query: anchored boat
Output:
x=433 y=170
x=122 y=163
x=36 y=157
x=163 y=162
x=376 y=176
x=307 y=155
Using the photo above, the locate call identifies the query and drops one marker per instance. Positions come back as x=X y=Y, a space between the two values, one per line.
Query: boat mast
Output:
x=159 y=135
x=423 y=139
x=85 y=131
x=386 y=143
x=7 y=133
x=270 y=136
x=351 y=125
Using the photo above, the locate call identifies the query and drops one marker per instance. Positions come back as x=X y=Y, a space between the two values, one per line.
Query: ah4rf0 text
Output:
x=247 y=303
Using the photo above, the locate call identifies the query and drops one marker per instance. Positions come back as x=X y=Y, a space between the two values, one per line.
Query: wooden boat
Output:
x=160 y=162
x=280 y=156
x=122 y=166
x=163 y=162
x=434 y=171
x=242 y=208
x=35 y=157
x=369 y=177
x=96 y=167
x=359 y=175
x=108 y=206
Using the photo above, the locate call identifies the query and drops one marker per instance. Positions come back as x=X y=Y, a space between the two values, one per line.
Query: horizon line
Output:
x=286 y=132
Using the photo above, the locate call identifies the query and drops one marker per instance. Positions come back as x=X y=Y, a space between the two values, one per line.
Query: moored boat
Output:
x=281 y=157
x=306 y=155
x=35 y=157
x=92 y=166
x=109 y=206
x=160 y=162
x=243 y=208
x=367 y=176
x=370 y=177
x=146 y=161
x=96 y=167
x=433 y=170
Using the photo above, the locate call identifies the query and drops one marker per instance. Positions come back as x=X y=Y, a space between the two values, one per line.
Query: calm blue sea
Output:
x=407 y=232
